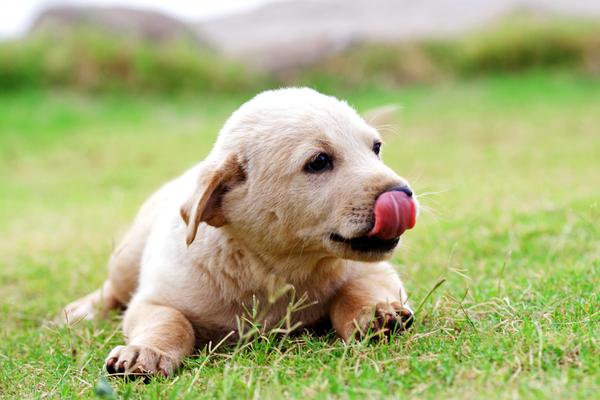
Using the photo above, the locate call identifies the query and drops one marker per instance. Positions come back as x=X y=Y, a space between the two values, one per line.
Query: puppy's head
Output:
x=297 y=172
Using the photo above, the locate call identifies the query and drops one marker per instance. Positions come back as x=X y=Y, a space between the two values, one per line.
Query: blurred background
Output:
x=233 y=45
x=498 y=132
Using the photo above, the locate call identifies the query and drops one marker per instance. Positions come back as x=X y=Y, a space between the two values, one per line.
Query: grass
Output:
x=89 y=60
x=511 y=167
x=515 y=45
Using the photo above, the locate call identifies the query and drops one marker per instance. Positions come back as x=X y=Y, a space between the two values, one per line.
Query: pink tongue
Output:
x=394 y=213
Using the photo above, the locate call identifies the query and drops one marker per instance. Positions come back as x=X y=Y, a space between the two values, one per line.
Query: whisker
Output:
x=425 y=194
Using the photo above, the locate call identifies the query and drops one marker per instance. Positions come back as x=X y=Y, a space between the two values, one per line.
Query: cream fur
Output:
x=244 y=223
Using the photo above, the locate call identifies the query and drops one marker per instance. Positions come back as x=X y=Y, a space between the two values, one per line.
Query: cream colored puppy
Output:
x=293 y=193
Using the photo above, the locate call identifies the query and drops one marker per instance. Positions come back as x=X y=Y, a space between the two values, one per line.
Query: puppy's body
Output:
x=217 y=278
x=255 y=217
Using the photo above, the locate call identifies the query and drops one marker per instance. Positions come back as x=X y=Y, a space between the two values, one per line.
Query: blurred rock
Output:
x=285 y=35
x=126 y=22
x=289 y=34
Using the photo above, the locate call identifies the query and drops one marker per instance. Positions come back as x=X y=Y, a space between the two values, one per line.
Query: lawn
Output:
x=508 y=169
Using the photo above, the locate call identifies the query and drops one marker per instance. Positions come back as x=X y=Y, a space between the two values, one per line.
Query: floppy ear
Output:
x=382 y=117
x=205 y=204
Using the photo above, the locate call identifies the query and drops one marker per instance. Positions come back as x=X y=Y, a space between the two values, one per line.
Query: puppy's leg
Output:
x=158 y=339
x=373 y=299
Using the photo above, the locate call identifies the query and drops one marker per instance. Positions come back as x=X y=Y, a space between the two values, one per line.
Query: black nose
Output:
x=404 y=189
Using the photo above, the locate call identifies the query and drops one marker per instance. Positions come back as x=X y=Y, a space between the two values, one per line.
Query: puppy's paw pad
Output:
x=132 y=361
x=384 y=319
x=393 y=316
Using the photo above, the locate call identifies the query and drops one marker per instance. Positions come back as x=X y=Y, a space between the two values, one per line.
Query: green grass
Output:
x=89 y=60
x=515 y=45
x=512 y=165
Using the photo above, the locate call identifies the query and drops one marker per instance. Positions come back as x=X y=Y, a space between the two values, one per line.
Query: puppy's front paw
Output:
x=382 y=320
x=132 y=361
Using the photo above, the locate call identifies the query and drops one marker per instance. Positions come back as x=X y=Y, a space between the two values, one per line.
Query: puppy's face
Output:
x=312 y=174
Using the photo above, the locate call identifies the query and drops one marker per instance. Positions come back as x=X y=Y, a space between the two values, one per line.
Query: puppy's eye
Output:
x=376 y=147
x=322 y=162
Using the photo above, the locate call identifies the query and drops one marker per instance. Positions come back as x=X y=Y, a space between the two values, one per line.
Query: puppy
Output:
x=293 y=195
